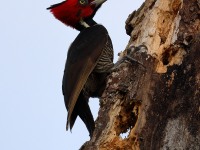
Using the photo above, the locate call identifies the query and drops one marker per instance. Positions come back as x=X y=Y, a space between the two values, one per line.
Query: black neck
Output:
x=88 y=21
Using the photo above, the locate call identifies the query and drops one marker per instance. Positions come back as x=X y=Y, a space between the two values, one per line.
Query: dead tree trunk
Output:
x=158 y=104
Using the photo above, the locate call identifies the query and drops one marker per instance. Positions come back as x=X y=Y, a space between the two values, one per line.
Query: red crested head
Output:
x=70 y=12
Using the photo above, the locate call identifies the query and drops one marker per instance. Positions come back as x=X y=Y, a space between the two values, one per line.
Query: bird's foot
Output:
x=132 y=51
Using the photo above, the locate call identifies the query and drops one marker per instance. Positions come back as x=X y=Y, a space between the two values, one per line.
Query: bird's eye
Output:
x=83 y=2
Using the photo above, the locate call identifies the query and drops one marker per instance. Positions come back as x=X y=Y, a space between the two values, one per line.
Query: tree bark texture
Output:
x=157 y=103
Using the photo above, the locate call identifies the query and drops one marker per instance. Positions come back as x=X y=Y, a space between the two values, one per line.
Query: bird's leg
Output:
x=130 y=52
x=132 y=60
x=83 y=23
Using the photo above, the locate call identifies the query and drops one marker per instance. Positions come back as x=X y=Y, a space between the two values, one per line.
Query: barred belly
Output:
x=105 y=62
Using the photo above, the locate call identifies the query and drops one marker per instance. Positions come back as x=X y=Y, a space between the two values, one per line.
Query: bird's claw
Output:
x=128 y=58
x=133 y=61
x=132 y=49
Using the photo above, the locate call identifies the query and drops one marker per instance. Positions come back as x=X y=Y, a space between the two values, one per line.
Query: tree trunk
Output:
x=156 y=103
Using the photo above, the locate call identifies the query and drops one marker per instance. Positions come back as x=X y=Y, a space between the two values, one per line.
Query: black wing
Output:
x=82 y=58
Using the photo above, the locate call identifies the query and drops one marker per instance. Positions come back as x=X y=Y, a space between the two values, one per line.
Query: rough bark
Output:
x=158 y=105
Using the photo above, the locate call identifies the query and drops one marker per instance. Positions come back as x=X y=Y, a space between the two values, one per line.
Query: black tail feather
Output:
x=73 y=118
x=83 y=110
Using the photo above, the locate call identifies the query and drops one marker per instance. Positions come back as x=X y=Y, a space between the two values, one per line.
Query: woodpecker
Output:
x=77 y=14
x=89 y=60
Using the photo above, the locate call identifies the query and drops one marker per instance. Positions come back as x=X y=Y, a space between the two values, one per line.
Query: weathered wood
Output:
x=159 y=105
